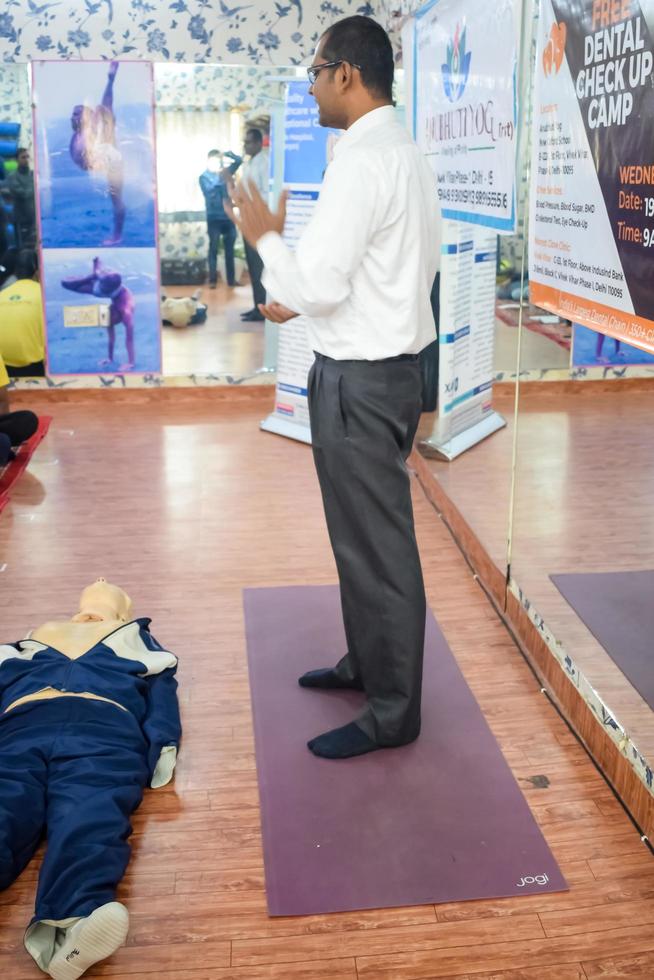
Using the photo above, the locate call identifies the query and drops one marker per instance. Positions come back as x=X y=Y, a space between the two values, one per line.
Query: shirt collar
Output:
x=376 y=117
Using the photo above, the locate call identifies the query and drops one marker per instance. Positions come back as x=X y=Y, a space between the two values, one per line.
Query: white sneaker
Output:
x=91 y=939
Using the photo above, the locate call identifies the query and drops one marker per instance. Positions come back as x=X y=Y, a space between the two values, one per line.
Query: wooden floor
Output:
x=584 y=488
x=537 y=351
x=184 y=505
x=221 y=345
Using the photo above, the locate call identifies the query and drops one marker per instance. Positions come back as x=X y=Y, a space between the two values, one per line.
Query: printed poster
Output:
x=465 y=106
x=102 y=310
x=96 y=196
x=592 y=189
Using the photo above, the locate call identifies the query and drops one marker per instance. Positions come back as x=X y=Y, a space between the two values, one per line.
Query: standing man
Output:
x=20 y=185
x=256 y=171
x=362 y=272
x=214 y=188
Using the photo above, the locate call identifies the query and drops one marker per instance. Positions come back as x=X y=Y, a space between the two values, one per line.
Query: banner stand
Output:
x=283 y=427
x=307 y=147
x=462 y=80
x=438 y=448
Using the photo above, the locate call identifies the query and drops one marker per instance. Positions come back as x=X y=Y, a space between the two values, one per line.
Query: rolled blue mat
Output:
x=8 y=148
x=10 y=129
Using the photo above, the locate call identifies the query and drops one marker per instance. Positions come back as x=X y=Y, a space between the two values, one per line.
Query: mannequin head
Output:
x=101 y=602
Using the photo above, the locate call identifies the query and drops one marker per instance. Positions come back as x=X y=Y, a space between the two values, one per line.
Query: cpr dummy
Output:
x=103 y=760
x=103 y=608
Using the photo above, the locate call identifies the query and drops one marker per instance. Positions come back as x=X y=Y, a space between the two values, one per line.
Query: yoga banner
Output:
x=307 y=151
x=96 y=195
x=464 y=106
x=447 y=61
x=591 y=248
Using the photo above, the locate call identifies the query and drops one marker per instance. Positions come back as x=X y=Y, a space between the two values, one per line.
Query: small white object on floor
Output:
x=90 y=940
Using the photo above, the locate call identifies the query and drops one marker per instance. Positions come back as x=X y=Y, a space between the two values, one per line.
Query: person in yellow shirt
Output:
x=15 y=427
x=21 y=320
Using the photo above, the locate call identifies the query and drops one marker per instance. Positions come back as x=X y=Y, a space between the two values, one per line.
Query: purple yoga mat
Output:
x=440 y=820
x=618 y=609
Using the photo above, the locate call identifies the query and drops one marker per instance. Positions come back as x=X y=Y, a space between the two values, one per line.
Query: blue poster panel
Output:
x=102 y=310
x=591 y=348
x=307 y=145
x=95 y=154
x=96 y=194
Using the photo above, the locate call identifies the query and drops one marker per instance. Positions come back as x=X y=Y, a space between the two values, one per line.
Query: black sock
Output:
x=342 y=743
x=328 y=680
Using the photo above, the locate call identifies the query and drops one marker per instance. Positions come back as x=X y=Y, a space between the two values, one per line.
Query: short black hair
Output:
x=256 y=132
x=21 y=149
x=26 y=264
x=213 y=153
x=362 y=41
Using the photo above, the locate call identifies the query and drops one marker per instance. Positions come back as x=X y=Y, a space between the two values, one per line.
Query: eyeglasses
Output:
x=313 y=72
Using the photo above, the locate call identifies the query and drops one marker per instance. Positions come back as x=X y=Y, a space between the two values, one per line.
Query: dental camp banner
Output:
x=464 y=106
x=96 y=196
x=307 y=151
x=591 y=247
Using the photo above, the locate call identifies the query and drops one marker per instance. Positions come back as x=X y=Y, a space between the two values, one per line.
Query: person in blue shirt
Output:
x=88 y=718
x=219 y=224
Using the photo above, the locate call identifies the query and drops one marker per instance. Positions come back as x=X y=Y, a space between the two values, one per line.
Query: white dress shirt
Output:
x=365 y=264
x=256 y=170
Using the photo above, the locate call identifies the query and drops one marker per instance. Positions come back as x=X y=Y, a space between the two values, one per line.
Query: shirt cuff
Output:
x=271 y=248
x=163 y=771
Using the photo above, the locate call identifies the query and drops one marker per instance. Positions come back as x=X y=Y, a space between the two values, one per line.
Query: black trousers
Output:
x=217 y=227
x=35 y=370
x=364 y=416
x=255 y=268
x=15 y=427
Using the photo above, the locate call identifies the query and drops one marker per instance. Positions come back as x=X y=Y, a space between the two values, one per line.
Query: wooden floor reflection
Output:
x=584 y=486
x=221 y=345
x=184 y=504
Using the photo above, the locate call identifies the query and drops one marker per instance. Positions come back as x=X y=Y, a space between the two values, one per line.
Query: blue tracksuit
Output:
x=76 y=768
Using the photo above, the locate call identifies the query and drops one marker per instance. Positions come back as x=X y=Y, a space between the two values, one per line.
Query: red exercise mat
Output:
x=14 y=469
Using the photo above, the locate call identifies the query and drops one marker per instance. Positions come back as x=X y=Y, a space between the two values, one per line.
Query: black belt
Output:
x=380 y=360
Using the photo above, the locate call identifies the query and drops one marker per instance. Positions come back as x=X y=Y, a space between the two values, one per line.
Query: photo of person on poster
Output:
x=95 y=154
x=108 y=285
x=102 y=311
x=93 y=147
